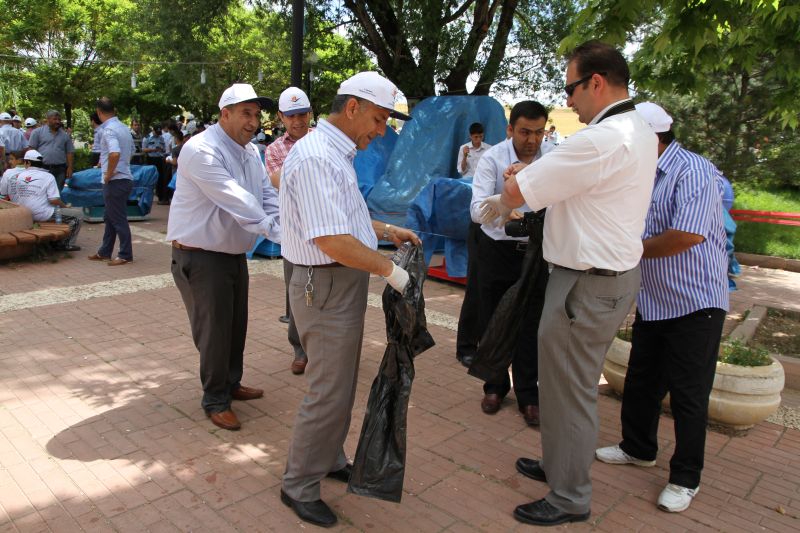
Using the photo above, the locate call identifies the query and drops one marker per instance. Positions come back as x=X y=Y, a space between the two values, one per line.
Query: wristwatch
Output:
x=386 y=232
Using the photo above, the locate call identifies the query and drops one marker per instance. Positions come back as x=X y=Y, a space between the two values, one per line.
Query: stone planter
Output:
x=741 y=396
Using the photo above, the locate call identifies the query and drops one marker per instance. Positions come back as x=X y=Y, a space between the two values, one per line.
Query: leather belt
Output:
x=327 y=265
x=179 y=246
x=596 y=271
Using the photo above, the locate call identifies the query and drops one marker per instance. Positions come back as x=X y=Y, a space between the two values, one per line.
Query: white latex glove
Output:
x=398 y=279
x=493 y=209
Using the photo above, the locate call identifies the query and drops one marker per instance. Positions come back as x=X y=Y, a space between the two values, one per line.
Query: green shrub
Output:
x=736 y=353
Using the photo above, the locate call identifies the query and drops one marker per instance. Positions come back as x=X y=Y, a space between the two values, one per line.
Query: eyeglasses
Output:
x=570 y=88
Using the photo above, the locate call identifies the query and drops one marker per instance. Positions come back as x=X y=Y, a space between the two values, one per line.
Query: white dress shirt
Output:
x=319 y=196
x=223 y=200
x=473 y=157
x=598 y=185
x=488 y=181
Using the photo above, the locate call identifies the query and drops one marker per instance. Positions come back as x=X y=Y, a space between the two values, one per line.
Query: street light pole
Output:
x=297 y=42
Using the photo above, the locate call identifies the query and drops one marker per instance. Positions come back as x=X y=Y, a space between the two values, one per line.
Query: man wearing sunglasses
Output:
x=596 y=186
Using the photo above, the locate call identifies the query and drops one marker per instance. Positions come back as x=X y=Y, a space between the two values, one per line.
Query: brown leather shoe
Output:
x=246 y=393
x=299 y=365
x=119 y=261
x=531 y=414
x=225 y=420
x=98 y=257
x=491 y=403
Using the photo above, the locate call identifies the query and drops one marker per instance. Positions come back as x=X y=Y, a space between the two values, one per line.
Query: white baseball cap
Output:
x=5 y=116
x=244 y=92
x=375 y=88
x=33 y=155
x=30 y=121
x=293 y=101
x=655 y=116
x=16 y=118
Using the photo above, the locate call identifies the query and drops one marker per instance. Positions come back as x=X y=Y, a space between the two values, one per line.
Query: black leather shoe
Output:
x=283 y=319
x=466 y=360
x=491 y=403
x=531 y=468
x=316 y=512
x=531 y=414
x=541 y=513
x=343 y=474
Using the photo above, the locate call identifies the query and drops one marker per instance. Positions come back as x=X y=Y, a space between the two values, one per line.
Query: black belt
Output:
x=595 y=271
x=327 y=265
x=179 y=246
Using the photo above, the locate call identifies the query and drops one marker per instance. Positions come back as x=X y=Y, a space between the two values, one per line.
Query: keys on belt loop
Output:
x=310 y=288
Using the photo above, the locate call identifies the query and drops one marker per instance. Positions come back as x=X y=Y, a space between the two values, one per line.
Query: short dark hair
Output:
x=105 y=105
x=475 y=127
x=666 y=137
x=596 y=57
x=38 y=164
x=340 y=100
x=95 y=118
x=527 y=109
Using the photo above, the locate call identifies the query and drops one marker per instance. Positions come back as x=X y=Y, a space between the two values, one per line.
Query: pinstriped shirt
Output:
x=687 y=196
x=319 y=196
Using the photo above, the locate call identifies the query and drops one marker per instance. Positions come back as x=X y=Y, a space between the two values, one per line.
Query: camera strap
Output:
x=618 y=109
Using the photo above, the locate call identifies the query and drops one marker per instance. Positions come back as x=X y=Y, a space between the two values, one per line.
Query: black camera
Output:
x=529 y=225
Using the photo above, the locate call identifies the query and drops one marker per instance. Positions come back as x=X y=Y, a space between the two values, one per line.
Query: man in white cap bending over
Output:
x=330 y=239
x=294 y=110
x=223 y=203
x=680 y=311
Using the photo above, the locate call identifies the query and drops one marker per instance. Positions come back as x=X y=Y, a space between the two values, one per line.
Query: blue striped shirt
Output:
x=687 y=196
x=116 y=139
x=319 y=196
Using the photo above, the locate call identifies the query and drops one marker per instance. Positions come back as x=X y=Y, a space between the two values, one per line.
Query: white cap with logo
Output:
x=293 y=101
x=655 y=116
x=30 y=121
x=5 y=116
x=375 y=88
x=244 y=92
x=16 y=118
x=33 y=155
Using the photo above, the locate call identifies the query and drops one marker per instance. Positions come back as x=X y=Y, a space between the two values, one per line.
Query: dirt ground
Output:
x=779 y=333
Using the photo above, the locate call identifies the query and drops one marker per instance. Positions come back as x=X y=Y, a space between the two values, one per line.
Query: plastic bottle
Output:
x=57 y=215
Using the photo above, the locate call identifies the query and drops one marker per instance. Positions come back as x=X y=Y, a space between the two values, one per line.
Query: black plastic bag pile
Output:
x=380 y=460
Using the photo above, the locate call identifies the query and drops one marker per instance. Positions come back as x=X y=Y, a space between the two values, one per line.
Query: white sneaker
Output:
x=615 y=456
x=675 y=498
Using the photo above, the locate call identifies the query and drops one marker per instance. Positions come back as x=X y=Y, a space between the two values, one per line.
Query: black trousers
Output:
x=469 y=332
x=214 y=288
x=679 y=356
x=59 y=172
x=294 y=337
x=115 y=196
x=500 y=266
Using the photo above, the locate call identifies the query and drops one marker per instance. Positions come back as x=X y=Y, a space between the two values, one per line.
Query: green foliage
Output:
x=736 y=353
x=727 y=69
x=768 y=239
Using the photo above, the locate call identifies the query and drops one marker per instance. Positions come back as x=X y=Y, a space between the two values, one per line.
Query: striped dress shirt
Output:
x=687 y=196
x=319 y=196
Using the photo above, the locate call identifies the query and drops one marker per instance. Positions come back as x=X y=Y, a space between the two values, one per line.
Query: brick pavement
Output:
x=101 y=428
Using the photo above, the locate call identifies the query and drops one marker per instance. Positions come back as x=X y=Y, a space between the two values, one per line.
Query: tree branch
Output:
x=460 y=11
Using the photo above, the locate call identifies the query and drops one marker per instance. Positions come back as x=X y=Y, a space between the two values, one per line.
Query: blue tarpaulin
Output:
x=370 y=164
x=85 y=188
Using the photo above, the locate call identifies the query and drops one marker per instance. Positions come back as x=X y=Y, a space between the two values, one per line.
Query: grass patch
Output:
x=768 y=239
x=736 y=353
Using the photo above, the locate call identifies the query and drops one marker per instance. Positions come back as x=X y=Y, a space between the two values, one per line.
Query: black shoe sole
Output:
x=563 y=520
x=288 y=503
x=529 y=475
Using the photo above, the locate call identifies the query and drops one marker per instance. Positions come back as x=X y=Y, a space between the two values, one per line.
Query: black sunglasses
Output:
x=570 y=88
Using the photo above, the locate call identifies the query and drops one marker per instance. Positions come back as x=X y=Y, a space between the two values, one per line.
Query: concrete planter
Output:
x=741 y=397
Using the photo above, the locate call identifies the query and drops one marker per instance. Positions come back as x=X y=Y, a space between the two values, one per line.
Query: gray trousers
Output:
x=214 y=287
x=294 y=337
x=331 y=330
x=581 y=316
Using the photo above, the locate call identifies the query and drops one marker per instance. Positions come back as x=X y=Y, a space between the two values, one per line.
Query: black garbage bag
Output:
x=520 y=306
x=380 y=461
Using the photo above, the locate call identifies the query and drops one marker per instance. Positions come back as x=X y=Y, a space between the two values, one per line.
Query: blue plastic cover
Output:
x=427 y=148
x=85 y=188
x=370 y=164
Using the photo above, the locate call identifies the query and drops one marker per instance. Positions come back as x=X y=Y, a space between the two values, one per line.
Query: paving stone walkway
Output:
x=101 y=427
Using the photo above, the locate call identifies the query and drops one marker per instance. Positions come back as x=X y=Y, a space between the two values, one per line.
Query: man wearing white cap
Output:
x=36 y=189
x=330 y=239
x=12 y=140
x=222 y=204
x=680 y=311
x=30 y=125
x=294 y=110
